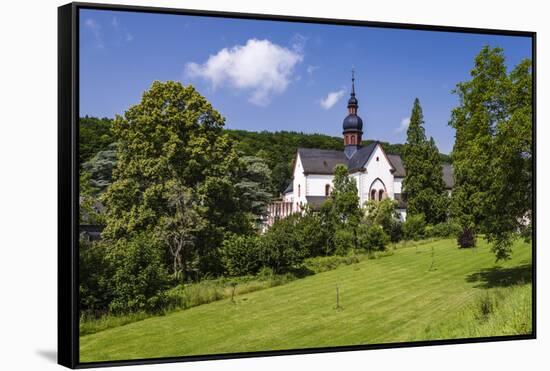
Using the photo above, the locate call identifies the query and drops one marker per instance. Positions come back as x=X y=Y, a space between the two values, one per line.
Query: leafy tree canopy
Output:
x=492 y=154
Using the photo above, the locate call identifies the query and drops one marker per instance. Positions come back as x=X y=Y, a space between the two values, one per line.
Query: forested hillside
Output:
x=277 y=149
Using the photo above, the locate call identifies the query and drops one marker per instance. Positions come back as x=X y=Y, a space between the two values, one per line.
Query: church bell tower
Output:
x=352 y=125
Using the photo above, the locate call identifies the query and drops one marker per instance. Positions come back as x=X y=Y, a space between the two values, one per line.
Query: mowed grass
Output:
x=431 y=291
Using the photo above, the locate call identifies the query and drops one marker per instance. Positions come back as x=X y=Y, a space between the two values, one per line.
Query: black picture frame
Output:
x=68 y=182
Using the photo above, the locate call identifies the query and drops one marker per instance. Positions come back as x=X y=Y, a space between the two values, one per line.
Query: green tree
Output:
x=100 y=169
x=384 y=214
x=345 y=197
x=492 y=155
x=94 y=136
x=510 y=202
x=341 y=212
x=281 y=249
x=241 y=255
x=180 y=226
x=95 y=274
x=140 y=279
x=311 y=234
x=414 y=227
x=253 y=187
x=423 y=183
x=173 y=136
x=373 y=237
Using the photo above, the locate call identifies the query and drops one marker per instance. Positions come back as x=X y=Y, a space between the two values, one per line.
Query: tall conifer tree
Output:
x=423 y=183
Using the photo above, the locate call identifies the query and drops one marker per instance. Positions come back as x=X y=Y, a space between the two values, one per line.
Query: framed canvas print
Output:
x=239 y=185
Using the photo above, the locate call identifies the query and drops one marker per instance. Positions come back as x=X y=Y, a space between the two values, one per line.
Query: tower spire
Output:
x=353 y=82
x=353 y=102
x=352 y=125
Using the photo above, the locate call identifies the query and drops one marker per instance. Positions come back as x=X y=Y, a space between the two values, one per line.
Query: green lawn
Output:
x=390 y=299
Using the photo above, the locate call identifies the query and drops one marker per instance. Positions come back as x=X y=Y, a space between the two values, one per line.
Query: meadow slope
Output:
x=431 y=291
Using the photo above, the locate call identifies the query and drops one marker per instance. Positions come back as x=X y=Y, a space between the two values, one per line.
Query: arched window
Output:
x=299 y=189
x=327 y=189
x=380 y=194
x=373 y=194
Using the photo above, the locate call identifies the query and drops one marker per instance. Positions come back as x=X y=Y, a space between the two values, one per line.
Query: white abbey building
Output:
x=378 y=175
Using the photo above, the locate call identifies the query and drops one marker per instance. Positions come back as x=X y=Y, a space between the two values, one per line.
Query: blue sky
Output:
x=266 y=75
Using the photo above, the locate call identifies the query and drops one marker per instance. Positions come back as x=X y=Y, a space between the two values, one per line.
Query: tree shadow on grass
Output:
x=502 y=277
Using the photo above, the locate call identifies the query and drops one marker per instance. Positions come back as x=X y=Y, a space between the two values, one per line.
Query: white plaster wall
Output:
x=358 y=177
x=397 y=185
x=377 y=170
x=315 y=184
x=299 y=180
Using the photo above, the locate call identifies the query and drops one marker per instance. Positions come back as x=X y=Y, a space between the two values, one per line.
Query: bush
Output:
x=373 y=238
x=466 y=239
x=414 y=227
x=280 y=247
x=311 y=235
x=321 y=264
x=384 y=213
x=95 y=273
x=344 y=241
x=139 y=278
x=443 y=230
x=240 y=255
x=395 y=231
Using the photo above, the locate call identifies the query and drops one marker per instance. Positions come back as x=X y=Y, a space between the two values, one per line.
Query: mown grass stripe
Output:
x=391 y=298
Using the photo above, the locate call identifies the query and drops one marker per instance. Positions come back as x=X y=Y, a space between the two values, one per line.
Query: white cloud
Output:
x=310 y=69
x=108 y=36
x=403 y=125
x=261 y=67
x=332 y=98
x=95 y=29
x=298 y=43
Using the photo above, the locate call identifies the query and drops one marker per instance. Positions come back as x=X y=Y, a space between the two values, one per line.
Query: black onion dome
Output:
x=353 y=101
x=353 y=122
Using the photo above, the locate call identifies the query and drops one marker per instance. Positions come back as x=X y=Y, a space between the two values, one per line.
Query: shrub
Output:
x=311 y=235
x=240 y=255
x=344 y=241
x=384 y=213
x=321 y=264
x=395 y=231
x=373 y=238
x=280 y=247
x=139 y=278
x=443 y=230
x=95 y=275
x=414 y=227
x=466 y=238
